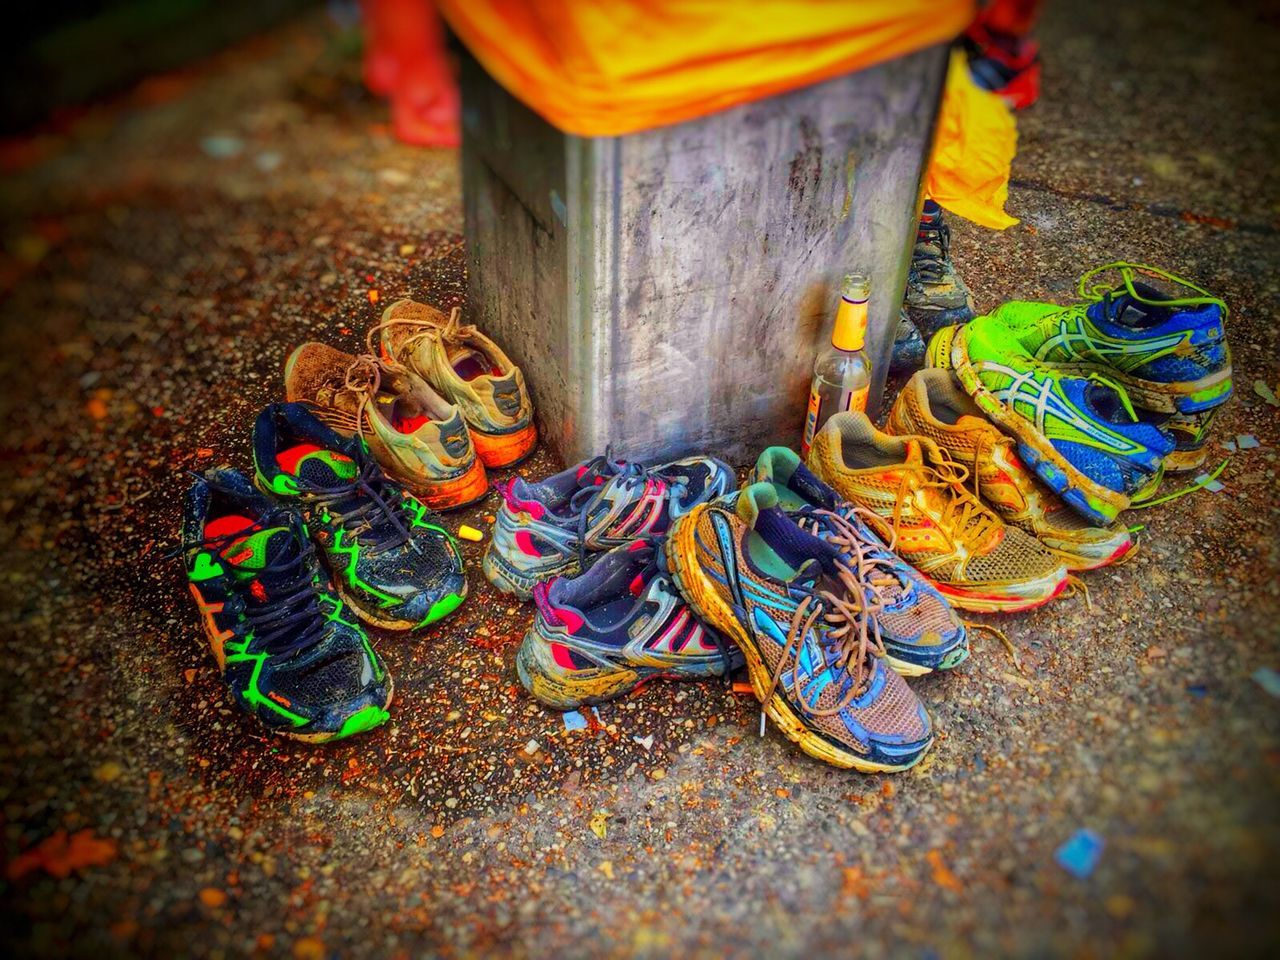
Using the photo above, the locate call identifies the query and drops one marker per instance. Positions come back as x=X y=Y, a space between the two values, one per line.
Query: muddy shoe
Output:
x=917 y=501
x=918 y=627
x=936 y=296
x=467 y=368
x=390 y=558
x=292 y=653
x=800 y=617
x=1078 y=432
x=548 y=528
x=419 y=439
x=933 y=405
x=602 y=634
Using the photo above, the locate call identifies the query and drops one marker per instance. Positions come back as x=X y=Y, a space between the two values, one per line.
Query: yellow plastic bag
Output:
x=609 y=67
x=973 y=149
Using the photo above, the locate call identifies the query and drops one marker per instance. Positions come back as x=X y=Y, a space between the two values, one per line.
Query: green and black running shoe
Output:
x=390 y=558
x=294 y=656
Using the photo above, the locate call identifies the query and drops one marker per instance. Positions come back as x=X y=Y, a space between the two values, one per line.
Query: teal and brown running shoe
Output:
x=800 y=616
x=391 y=559
x=291 y=651
x=1167 y=350
x=1080 y=434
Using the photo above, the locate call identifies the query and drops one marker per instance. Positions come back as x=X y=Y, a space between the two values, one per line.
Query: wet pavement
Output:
x=163 y=254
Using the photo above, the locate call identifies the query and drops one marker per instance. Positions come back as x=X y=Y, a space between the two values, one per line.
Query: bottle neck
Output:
x=850 y=332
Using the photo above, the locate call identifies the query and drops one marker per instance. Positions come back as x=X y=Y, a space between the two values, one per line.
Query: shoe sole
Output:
x=1091 y=500
x=499 y=450
x=982 y=601
x=1079 y=562
x=1182 y=461
x=559 y=689
x=439 y=610
x=370 y=717
x=907 y=669
x=706 y=602
x=499 y=573
x=471 y=487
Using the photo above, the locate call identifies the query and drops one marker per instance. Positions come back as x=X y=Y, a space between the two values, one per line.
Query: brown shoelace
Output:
x=850 y=626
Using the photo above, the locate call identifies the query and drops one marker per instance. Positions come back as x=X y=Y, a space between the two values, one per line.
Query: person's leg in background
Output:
x=405 y=60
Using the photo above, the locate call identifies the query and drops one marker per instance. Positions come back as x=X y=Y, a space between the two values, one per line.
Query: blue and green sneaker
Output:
x=291 y=651
x=1080 y=434
x=1168 y=350
x=391 y=559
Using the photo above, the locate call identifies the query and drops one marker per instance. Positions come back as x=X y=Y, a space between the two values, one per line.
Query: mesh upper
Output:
x=1018 y=556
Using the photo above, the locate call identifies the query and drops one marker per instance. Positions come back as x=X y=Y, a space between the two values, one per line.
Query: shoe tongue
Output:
x=248 y=555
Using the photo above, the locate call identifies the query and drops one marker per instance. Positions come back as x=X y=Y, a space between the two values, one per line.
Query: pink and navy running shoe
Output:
x=602 y=634
x=546 y=529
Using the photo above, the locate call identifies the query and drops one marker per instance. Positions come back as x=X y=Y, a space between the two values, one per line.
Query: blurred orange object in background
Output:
x=611 y=67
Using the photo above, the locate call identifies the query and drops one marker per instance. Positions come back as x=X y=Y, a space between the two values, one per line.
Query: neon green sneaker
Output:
x=1169 y=352
x=1079 y=434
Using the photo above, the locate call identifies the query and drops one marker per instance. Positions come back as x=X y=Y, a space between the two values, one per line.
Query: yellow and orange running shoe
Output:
x=418 y=438
x=916 y=500
x=933 y=405
x=469 y=369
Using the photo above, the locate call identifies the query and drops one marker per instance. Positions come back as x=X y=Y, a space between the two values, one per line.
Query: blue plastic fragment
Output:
x=573 y=720
x=1197 y=689
x=1210 y=484
x=1246 y=441
x=1268 y=680
x=1080 y=855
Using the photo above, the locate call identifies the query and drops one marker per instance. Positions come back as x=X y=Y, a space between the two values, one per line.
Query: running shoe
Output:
x=917 y=626
x=916 y=500
x=1190 y=431
x=908 y=346
x=289 y=649
x=1079 y=434
x=600 y=635
x=1168 y=351
x=470 y=370
x=391 y=559
x=936 y=296
x=933 y=405
x=419 y=439
x=545 y=529
x=797 y=612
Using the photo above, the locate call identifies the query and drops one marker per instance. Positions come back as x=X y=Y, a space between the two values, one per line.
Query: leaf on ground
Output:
x=60 y=855
x=942 y=875
x=1261 y=389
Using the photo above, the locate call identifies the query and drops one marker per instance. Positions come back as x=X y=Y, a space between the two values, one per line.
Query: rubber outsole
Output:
x=1078 y=563
x=499 y=450
x=990 y=603
x=1091 y=500
x=497 y=571
x=445 y=606
x=471 y=487
x=697 y=590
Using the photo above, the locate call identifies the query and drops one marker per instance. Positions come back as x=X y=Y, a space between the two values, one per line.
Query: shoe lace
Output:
x=453 y=330
x=930 y=265
x=961 y=512
x=880 y=564
x=1105 y=292
x=625 y=475
x=294 y=599
x=363 y=506
x=849 y=641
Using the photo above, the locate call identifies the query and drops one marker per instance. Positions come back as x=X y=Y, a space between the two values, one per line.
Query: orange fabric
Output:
x=609 y=67
x=973 y=150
